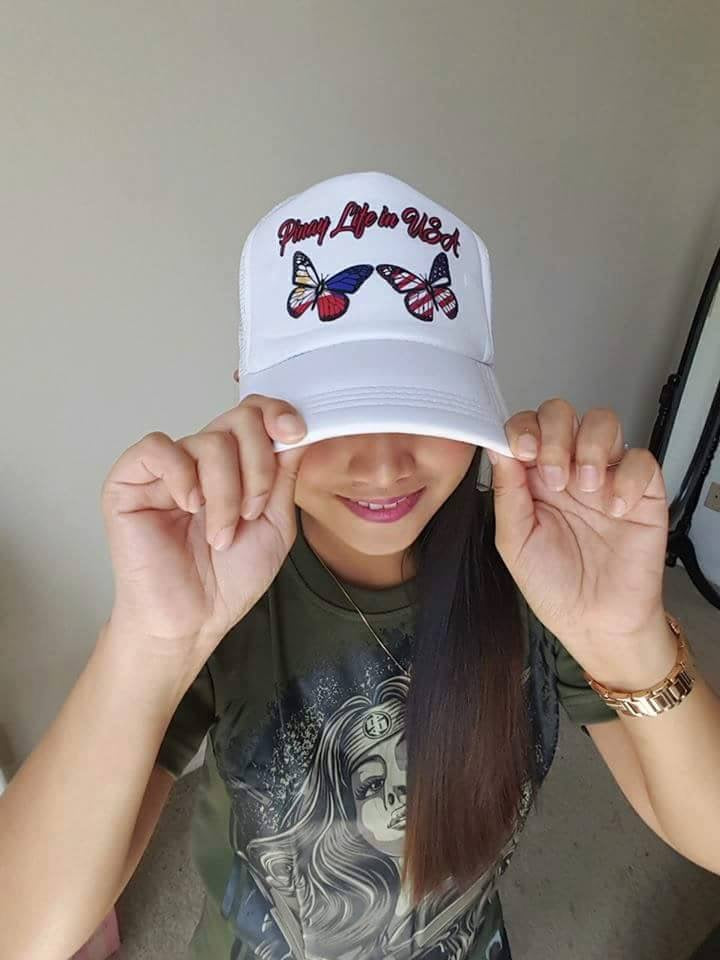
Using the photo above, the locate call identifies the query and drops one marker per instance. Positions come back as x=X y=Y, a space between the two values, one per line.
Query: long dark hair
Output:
x=469 y=729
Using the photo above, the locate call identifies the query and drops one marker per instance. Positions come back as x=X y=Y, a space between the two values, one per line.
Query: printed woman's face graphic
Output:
x=379 y=785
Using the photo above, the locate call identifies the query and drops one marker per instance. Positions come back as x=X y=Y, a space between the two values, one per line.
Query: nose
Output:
x=394 y=794
x=381 y=461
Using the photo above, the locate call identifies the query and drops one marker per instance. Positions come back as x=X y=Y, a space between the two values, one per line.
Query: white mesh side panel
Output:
x=244 y=333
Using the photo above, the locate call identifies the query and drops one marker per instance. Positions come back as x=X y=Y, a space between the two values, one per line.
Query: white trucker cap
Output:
x=368 y=307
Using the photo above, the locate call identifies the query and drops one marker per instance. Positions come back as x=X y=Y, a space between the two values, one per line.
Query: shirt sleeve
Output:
x=580 y=702
x=194 y=716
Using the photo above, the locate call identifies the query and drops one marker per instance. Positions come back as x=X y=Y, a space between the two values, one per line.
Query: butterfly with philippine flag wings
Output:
x=423 y=295
x=330 y=295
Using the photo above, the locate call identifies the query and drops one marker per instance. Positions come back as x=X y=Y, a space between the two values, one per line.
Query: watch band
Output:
x=665 y=695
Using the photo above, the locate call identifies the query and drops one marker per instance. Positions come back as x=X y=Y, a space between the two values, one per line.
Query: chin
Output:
x=378 y=539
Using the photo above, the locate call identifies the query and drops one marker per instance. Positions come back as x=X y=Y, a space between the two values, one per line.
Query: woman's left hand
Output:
x=594 y=579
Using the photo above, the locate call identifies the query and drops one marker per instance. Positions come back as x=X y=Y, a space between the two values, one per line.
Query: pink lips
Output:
x=384 y=514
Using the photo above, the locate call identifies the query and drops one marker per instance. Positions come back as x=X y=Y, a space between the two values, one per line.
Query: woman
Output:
x=376 y=647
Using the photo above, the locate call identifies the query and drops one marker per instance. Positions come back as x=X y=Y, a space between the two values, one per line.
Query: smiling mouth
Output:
x=383 y=503
x=398 y=819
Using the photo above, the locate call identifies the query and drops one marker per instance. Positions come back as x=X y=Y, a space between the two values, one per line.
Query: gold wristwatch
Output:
x=665 y=695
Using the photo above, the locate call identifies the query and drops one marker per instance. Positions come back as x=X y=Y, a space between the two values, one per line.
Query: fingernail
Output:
x=617 y=506
x=223 y=539
x=290 y=425
x=254 y=508
x=527 y=446
x=589 y=478
x=553 y=475
x=195 y=500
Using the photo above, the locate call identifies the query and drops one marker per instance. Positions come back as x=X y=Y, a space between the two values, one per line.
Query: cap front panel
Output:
x=363 y=257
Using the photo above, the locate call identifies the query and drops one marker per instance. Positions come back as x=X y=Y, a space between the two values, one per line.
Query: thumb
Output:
x=281 y=502
x=514 y=508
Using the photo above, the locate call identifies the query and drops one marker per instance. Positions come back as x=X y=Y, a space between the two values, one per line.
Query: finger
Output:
x=638 y=475
x=282 y=420
x=218 y=470
x=281 y=503
x=255 y=423
x=599 y=441
x=556 y=419
x=257 y=463
x=514 y=510
x=159 y=474
x=523 y=435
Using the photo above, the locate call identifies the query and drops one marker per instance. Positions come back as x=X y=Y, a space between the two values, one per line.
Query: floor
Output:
x=589 y=880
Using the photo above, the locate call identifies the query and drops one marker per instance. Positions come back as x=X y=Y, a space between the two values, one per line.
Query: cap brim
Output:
x=389 y=386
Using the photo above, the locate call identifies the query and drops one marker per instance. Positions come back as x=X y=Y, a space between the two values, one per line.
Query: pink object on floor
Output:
x=103 y=943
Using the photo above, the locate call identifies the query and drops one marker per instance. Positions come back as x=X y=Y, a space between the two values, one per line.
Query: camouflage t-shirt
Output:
x=299 y=819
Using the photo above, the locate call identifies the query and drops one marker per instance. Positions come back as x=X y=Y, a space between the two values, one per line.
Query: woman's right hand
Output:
x=173 y=587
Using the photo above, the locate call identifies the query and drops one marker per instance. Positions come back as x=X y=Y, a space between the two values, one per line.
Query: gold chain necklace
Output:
x=364 y=618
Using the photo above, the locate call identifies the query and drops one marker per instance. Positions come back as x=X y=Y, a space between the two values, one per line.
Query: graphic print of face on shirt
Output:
x=337 y=856
x=379 y=784
x=329 y=876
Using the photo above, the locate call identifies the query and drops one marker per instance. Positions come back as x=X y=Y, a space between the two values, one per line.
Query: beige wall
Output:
x=141 y=141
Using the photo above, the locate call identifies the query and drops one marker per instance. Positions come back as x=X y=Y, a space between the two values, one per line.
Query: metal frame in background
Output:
x=679 y=544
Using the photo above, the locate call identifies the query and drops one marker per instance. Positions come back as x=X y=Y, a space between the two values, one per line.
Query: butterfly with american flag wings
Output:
x=423 y=295
x=329 y=295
